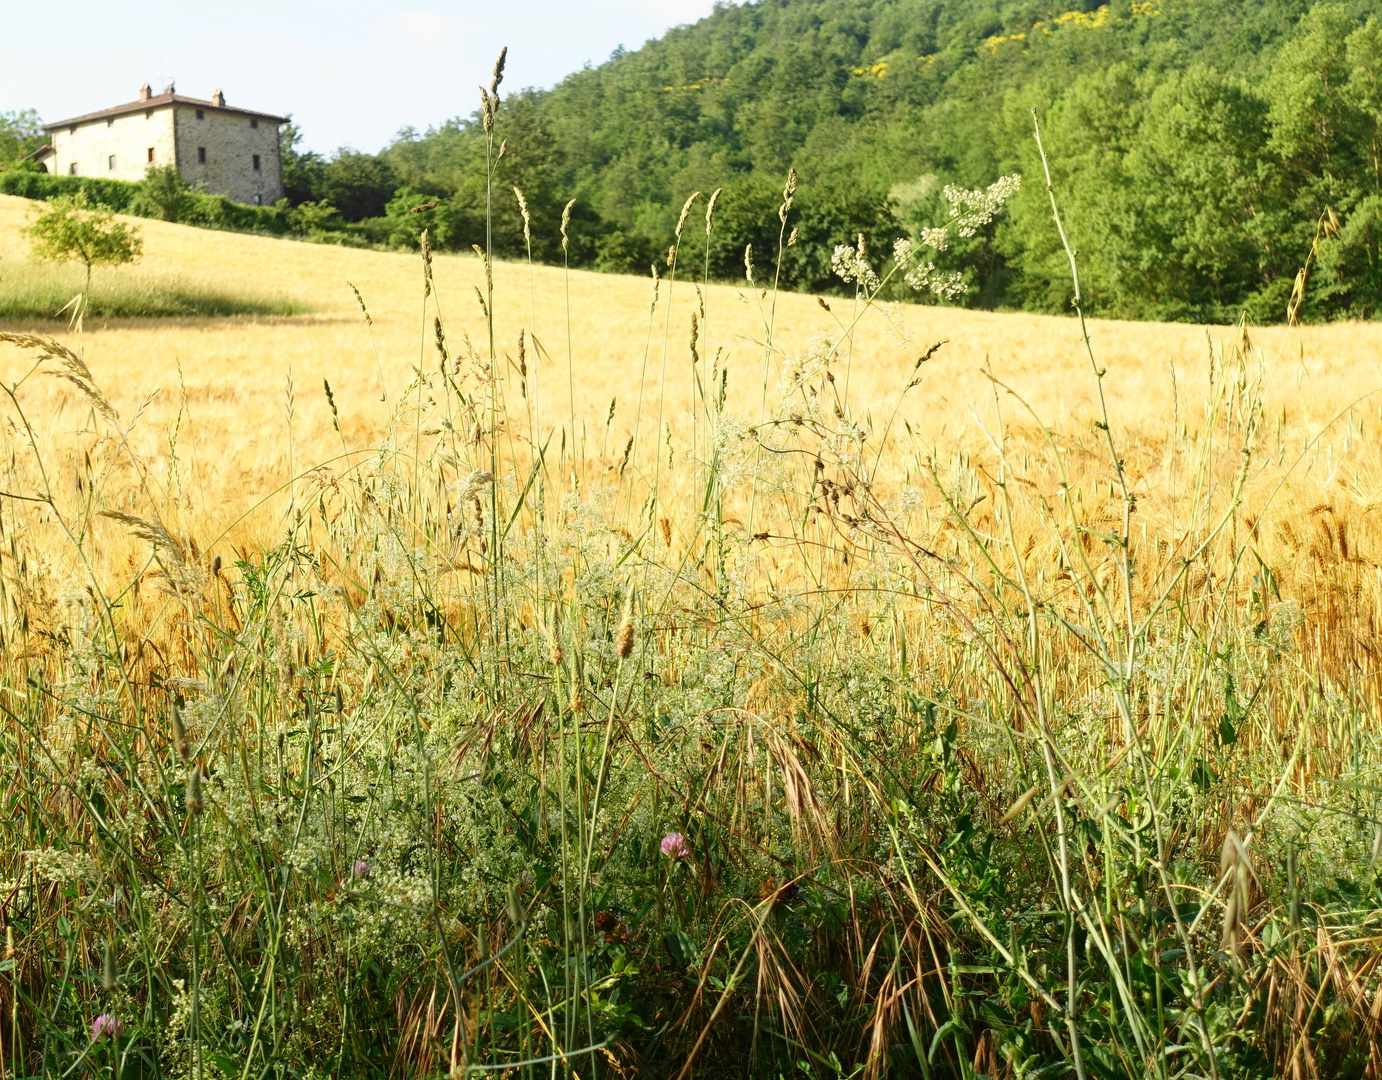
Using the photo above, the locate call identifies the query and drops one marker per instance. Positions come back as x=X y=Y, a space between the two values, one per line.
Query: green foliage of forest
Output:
x=1200 y=148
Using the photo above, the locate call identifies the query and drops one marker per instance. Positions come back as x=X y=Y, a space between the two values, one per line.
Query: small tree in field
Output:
x=73 y=229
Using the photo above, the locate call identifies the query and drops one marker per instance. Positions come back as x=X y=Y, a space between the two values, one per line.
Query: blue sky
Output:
x=351 y=72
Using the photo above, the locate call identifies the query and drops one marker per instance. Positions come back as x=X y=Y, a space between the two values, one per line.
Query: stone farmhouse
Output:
x=226 y=150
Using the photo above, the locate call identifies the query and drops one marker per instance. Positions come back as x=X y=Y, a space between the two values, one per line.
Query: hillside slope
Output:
x=1196 y=145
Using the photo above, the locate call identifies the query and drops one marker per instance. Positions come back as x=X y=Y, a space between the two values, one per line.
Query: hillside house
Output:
x=227 y=150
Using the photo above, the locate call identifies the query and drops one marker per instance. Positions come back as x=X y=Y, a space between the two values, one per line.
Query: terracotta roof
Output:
x=156 y=102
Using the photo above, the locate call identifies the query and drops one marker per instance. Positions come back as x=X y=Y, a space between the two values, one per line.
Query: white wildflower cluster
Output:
x=58 y=866
x=895 y=326
x=908 y=501
x=926 y=278
x=844 y=448
x=937 y=238
x=850 y=265
x=732 y=438
x=1283 y=624
x=972 y=210
x=798 y=384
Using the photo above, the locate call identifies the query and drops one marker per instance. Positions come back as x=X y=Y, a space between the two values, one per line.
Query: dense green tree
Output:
x=358 y=185
x=303 y=171
x=21 y=133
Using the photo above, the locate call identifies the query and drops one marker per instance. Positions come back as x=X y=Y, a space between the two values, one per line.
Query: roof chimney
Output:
x=218 y=99
x=169 y=88
x=145 y=93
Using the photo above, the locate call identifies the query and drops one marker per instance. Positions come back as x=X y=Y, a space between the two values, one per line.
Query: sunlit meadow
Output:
x=494 y=669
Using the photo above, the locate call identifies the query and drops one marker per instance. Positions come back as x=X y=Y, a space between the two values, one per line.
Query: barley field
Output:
x=499 y=670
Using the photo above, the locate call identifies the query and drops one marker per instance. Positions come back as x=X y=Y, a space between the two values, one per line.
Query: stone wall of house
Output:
x=213 y=147
x=120 y=148
x=221 y=149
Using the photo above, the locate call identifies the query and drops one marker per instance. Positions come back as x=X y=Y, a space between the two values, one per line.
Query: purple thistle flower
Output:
x=105 y=1025
x=361 y=869
x=674 y=846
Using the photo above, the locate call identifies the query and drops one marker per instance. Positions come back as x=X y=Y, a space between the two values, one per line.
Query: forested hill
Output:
x=1198 y=147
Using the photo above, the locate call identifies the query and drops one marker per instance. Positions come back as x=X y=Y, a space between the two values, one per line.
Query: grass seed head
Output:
x=1236 y=874
x=497 y=75
x=527 y=217
x=623 y=640
x=108 y=974
x=565 y=223
x=686 y=212
x=180 y=742
x=361 y=301
x=789 y=194
x=194 y=789
x=710 y=209
x=70 y=367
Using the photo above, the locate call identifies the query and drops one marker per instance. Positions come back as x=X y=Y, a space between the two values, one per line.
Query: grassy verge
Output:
x=33 y=291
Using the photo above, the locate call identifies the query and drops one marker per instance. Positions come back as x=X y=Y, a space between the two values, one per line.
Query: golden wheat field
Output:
x=234 y=372
x=226 y=411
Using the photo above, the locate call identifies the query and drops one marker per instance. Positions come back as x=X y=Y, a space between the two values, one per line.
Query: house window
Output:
x=258 y=200
x=201 y=115
x=151 y=154
x=254 y=121
x=201 y=155
x=256 y=162
x=110 y=162
x=72 y=168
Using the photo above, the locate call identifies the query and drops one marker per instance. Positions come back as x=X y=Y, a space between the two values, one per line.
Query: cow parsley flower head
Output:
x=974 y=209
x=849 y=265
x=938 y=238
x=926 y=278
